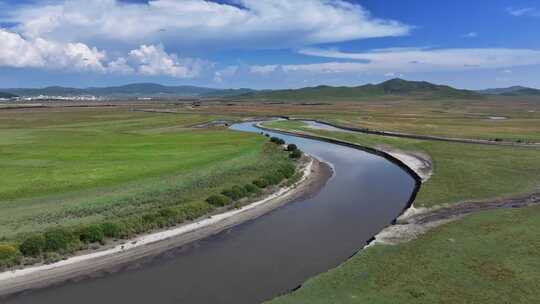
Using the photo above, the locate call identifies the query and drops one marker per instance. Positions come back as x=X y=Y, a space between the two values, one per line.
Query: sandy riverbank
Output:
x=315 y=175
x=420 y=163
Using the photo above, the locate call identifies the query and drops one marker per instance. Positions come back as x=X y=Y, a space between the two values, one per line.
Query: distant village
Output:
x=52 y=98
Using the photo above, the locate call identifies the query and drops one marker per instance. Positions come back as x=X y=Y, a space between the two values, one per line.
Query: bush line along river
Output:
x=266 y=257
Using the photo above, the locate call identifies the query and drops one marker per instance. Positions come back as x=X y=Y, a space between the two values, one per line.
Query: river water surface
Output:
x=266 y=257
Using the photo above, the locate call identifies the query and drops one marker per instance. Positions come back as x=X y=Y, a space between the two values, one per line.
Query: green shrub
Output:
x=229 y=193
x=219 y=200
x=132 y=225
x=240 y=191
x=261 y=183
x=274 y=178
x=192 y=211
x=91 y=234
x=250 y=188
x=59 y=239
x=277 y=140
x=168 y=213
x=150 y=220
x=287 y=170
x=169 y=216
x=33 y=245
x=7 y=252
x=235 y=193
x=292 y=147
x=296 y=154
x=9 y=255
x=111 y=229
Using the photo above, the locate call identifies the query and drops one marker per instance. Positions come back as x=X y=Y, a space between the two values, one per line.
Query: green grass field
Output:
x=462 y=171
x=451 y=117
x=488 y=257
x=78 y=166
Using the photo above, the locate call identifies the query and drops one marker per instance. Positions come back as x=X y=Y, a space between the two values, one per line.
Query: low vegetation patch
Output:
x=296 y=154
x=292 y=147
x=33 y=245
x=277 y=140
x=219 y=200
x=152 y=172
x=9 y=255
x=282 y=173
x=91 y=234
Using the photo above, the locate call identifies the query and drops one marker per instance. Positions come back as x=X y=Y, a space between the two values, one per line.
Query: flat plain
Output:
x=71 y=166
x=121 y=162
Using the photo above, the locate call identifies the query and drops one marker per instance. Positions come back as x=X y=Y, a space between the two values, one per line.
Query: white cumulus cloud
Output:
x=17 y=51
x=250 y=23
x=150 y=60
x=153 y=60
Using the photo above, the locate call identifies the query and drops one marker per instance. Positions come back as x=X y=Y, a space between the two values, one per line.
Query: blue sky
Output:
x=269 y=44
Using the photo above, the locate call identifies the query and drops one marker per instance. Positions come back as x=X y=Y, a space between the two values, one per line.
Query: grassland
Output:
x=489 y=257
x=158 y=161
x=442 y=117
x=462 y=171
x=70 y=167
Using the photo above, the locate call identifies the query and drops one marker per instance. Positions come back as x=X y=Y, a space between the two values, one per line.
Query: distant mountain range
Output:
x=511 y=91
x=130 y=90
x=394 y=87
x=391 y=88
x=7 y=95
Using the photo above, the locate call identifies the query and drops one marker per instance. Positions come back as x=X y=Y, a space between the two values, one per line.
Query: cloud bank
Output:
x=250 y=23
x=19 y=52
x=417 y=60
x=150 y=60
x=80 y=35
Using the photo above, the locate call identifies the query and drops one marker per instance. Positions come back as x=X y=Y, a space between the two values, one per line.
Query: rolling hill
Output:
x=394 y=87
x=130 y=90
x=7 y=95
x=388 y=89
x=511 y=91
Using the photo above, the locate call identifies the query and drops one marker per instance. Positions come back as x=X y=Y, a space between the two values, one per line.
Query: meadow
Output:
x=440 y=117
x=80 y=167
x=487 y=257
x=461 y=171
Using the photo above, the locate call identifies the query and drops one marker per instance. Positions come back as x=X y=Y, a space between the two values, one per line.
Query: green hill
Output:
x=394 y=87
x=523 y=92
x=7 y=95
x=512 y=91
x=130 y=90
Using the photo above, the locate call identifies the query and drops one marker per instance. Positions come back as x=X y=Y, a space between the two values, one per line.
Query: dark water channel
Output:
x=266 y=257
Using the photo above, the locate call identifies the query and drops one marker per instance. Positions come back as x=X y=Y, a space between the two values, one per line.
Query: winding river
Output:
x=266 y=257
